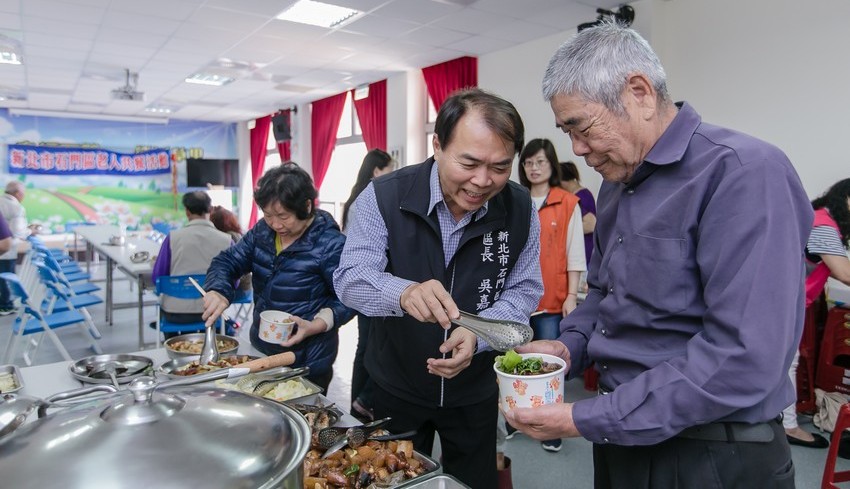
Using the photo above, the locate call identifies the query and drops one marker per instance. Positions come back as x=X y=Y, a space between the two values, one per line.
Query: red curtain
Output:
x=284 y=149
x=372 y=113
x=259 y=140
x=324 y=124
x=444 y=78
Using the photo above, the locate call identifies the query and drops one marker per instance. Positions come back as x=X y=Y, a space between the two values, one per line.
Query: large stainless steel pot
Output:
x=171 y=435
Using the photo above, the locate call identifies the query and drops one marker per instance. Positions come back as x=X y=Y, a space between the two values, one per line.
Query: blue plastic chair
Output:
x=32 y=320
x=244 y=302
x=179 y=287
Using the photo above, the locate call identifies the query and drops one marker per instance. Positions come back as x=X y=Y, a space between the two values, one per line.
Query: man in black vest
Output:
x=427 y=241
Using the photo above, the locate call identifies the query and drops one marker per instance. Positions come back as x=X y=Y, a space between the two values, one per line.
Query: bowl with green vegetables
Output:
x=529 y=379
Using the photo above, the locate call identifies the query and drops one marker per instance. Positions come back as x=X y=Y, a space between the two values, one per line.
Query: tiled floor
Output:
x=532 y=466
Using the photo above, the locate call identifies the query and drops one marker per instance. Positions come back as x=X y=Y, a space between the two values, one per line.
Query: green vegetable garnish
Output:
x=512 y=363
x=354 y=469
x=507 y=362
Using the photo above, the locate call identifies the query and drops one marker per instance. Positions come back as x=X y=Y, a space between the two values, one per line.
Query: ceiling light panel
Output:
x=210 y=79
x=318 y=14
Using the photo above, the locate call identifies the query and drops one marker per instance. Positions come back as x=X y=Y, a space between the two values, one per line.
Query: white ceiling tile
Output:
x=353 y=40
x=361 y=5
x=141 y=23
x=69 y=13
x=166 y=9
x=419 y=11
x=42 y=52
x=283 y=29
x=435 y=36
x=227 y=19
x=11 y=6
x=133 y=64
x=374 y=25
x=124 y=36
x=477 y=45
x=48 y=100
x=10 y=21
x=564 y=17
x=279 y=63
x=474 y=21
x=197 y=32
x=523 y=32
x=56 y=42
x=55 y=28
x=263 y=7
x=123 y=49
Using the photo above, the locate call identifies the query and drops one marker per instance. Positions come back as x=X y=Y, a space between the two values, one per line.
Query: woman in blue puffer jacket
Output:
x=292 y=254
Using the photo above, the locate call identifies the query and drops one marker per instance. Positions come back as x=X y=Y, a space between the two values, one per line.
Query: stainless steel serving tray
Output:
x=137 y=366
x=15 y=372
x=167 y=369
x=430 y=481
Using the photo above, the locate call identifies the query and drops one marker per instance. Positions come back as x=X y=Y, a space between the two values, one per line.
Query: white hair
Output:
x=597 y=62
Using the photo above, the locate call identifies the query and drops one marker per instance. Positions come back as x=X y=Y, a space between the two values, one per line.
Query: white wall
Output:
x=775 y=69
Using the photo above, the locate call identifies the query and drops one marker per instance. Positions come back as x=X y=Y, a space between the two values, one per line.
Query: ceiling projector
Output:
x=128 y=91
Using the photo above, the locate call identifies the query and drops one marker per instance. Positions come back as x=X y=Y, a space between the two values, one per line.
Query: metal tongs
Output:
x=209 y=351
x=501 y=335
x=335 y=438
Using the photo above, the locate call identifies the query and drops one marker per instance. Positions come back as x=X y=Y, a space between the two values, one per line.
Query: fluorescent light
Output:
x=88 y=116
x=159 y=109
x=318 y=13
x=209 y=79
x=10 y=57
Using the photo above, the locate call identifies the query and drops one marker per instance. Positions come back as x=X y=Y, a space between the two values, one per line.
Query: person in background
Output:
x=6 y=236
x=16 y=218
x=189 y=251
x=376 y=163
x=695 y=300
x=449 y=234
x=227 y=222
x=292 y=253
x=571 y=182
x=562 y=258
x=826 y=256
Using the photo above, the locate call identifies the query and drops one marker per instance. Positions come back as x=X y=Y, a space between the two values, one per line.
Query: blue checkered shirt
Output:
x=362 y=284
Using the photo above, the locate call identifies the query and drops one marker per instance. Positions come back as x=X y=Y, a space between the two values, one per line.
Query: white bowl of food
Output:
x=275 y=326
x=529 y=379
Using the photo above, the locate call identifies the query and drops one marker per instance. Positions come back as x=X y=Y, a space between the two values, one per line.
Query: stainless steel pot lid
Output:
x=184 y=436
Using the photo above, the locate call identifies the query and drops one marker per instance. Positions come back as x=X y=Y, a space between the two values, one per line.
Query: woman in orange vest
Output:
x=562 y=257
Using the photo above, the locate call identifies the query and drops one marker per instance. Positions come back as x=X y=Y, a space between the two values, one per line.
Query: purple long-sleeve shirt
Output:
x=695 y=305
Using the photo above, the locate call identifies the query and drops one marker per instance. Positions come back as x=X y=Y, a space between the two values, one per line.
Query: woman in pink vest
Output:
x=826 y=256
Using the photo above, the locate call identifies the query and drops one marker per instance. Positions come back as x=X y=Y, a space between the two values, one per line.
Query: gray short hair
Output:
x=14 y=187
x=596 y=63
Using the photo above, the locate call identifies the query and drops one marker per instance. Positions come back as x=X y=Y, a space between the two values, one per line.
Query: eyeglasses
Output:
x=534 y=163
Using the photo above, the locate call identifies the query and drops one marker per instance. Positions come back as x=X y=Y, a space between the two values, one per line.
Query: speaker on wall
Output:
x=280 y=126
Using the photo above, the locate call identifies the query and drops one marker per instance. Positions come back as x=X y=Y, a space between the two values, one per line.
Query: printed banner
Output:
x=43 y=160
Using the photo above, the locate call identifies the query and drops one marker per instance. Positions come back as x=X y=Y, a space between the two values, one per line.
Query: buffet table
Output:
x=97 y=240
x=43 y=381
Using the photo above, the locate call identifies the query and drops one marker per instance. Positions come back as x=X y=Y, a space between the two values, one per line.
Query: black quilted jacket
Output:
x=298 y=281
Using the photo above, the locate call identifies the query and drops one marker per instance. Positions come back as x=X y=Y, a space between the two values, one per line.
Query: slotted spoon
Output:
x=501 y=335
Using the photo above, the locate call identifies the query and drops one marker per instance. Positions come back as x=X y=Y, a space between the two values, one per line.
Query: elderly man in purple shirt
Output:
x=695 y=305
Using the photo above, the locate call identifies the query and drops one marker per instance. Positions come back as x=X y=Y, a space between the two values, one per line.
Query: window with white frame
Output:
x=431 y=119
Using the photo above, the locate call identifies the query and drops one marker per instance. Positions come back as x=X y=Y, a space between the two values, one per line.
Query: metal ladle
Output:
x=501 y=335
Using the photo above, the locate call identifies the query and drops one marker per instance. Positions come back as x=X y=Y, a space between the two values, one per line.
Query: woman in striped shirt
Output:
x=826 y=256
